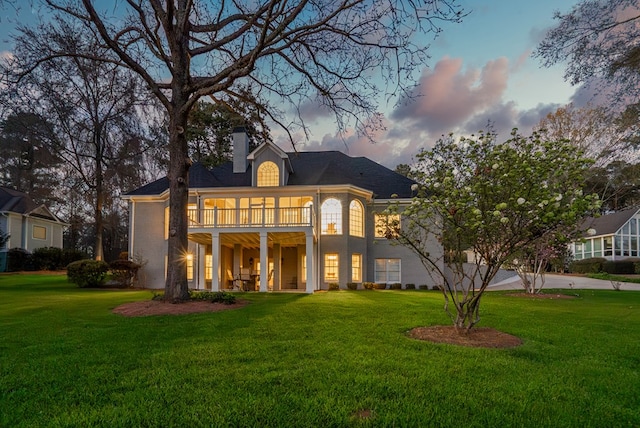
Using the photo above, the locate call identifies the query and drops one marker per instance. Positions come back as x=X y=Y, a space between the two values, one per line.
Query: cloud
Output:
x=448 y=96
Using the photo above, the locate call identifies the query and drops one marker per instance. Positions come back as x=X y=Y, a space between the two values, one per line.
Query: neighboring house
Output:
x=30 y=226
x=271 y=220
x=613 y=236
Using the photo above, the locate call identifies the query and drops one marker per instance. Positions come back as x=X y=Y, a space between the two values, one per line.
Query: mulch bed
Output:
x=158 y=307
x=478 y=337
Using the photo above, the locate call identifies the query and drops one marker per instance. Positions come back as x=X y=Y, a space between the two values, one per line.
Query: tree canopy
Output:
x=598 y=40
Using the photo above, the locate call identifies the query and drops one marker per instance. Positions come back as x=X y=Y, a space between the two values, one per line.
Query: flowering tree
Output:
x=485 y=202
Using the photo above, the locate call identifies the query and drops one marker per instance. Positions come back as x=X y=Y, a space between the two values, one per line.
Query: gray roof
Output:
x=309 y=169
x=15 y=201
x=609 y=224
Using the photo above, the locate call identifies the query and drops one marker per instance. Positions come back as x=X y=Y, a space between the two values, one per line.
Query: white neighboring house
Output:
x=30 y=226
x=614 y=236
x=274 y=221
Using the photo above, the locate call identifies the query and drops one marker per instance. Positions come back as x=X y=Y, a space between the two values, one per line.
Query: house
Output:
x=271 y=220
x=29 y=225
x=612 y=236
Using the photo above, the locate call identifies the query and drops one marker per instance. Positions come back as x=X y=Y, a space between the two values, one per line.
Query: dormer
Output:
x=270 y=166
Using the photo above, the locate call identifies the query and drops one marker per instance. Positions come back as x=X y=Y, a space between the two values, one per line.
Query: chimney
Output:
x=240 y=149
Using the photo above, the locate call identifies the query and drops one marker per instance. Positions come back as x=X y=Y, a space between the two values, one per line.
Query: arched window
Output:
x=331 y=215
x=268 y=174
x=356 y=219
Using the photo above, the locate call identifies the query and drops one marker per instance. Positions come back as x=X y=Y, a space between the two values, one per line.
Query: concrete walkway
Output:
x=563 y=281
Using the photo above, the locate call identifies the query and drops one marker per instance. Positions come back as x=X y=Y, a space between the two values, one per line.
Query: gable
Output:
x=609 y=224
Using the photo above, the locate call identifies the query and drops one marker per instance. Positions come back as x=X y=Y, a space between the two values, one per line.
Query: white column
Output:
x=311 y=268
x=264 y=262
x=215 y=261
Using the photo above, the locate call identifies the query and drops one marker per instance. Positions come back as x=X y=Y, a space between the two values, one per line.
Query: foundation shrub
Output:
x=87 y=273
x=352 y=285
x=591 y=265
x=368 y=285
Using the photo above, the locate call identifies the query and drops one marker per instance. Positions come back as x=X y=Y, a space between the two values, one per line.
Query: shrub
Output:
x=334 y=286
x=47 y=258
x=410 y=287
x=87 y=273
x=618 y=267
x=396 y=286
x=381 y=285
x=18 y=259
x=352 y=285
x=436 y=288
x=213 y=296
x=423 y=287
x=591 y=265
x=124 y=272
x=368 y=285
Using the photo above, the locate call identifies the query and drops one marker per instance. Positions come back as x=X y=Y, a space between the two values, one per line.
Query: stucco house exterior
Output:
x=614 y=236
x=29 y=225
x=273 y=221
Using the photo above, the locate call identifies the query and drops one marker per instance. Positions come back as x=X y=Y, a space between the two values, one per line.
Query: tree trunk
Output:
x=176 y=287
x=98 y=251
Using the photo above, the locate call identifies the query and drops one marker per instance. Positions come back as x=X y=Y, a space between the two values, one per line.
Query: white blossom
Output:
x=414 y=187
x=495 y=166
x=559 y=197
x=521 y=201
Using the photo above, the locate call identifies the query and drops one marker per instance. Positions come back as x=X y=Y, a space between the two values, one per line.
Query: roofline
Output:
x=249 y=190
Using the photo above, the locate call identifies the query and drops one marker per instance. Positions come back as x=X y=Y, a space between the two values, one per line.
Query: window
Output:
x=39 y=232
x=225 y=209
x=268 y=174
x=192 y=213
x=208 y=267
x=166 y=222
x=356 y=267
x=294 y=209
x=331 y=216
x=331 y=267
x=387 y=270
x=387 y=225
x=189 y=267
x=356 y=219
x=304 y=268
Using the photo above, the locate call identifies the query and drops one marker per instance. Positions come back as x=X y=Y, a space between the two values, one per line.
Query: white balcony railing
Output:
x=251 y=217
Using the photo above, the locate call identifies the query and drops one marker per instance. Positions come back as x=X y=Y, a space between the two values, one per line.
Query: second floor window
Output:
x=268 y=174
x=331 y=214
x=387 y=226
x=356 y=219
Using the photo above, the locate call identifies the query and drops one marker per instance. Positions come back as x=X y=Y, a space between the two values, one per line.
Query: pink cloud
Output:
x=449 y=95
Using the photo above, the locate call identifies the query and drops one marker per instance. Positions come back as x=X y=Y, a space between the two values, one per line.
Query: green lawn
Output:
x=313 y=360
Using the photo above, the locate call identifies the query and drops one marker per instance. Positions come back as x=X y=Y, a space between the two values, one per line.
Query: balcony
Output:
x=251 y=217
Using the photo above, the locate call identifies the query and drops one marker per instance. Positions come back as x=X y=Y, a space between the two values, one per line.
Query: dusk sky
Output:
x=480 y=70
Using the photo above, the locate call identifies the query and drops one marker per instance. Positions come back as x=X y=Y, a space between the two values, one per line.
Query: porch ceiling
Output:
x=252 y=239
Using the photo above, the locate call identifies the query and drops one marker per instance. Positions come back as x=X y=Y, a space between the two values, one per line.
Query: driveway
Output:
x=563 y=281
